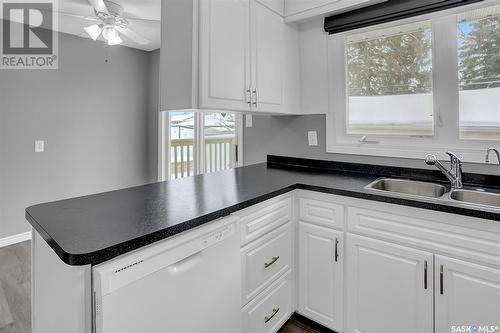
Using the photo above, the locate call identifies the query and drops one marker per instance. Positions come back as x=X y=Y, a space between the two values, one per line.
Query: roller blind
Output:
x=388 y=11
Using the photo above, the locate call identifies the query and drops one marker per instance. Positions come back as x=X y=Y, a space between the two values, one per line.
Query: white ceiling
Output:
x=141 y=9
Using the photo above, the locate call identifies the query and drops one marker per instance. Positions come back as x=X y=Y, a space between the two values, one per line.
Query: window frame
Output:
x=445 y=96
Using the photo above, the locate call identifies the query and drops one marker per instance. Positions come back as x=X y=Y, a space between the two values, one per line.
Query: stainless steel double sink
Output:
x=413 y=188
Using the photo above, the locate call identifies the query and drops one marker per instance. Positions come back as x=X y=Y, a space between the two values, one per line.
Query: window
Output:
x=199 y=136
x=478 y=45
x=424 y=84
x=220 y=141
x=390 y=81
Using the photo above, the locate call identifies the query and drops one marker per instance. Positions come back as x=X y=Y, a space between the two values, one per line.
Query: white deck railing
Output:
x=219 y=155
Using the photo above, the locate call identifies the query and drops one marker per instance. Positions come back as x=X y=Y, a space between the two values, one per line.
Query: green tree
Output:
x=394 y=65
x=479 y=53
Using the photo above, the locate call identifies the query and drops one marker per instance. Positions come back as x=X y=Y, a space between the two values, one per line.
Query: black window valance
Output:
x=387 y=11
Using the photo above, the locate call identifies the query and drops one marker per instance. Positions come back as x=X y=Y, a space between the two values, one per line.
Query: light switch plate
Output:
x=312 y=136
x=248 y=120
x=39 y=146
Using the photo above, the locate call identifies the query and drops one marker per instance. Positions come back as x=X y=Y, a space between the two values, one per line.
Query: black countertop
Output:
x=97 y=228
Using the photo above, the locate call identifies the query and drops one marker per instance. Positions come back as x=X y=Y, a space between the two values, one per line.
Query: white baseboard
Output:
x=6 y=241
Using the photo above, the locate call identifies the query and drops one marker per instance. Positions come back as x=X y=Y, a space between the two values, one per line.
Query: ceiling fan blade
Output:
x=132 y=19
x=134 y=36
x=88 y=18
x=99 y=6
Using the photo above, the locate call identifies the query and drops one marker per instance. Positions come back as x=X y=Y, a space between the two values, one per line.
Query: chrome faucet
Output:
x=488 y=151
x=454 y=175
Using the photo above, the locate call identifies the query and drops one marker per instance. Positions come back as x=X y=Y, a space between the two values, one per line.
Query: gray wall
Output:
x=287 y=136
x=93 y=116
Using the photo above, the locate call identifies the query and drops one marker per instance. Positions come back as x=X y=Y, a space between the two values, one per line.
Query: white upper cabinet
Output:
x=243 y=59
x=224 y=54
x=389 y=287
x=296 y=10
x=267 y=47
x=466 y=294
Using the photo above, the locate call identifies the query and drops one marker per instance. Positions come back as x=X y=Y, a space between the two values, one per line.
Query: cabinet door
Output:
x=466 y=294
x=389 y=287
x=320 y=275
x=224 y=54
x=267 y=46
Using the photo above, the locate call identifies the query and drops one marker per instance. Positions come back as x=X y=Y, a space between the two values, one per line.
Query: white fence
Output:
x=477 y=108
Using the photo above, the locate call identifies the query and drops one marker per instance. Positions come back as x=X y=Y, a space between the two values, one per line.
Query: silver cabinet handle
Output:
x=273 y=260
x=441 y=280
x=275 y=311
x=248 y=97
x=425 y=274
x=336 y=249
x=256 y=99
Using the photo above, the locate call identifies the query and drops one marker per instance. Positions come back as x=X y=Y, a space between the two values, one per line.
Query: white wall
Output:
x=93 y=116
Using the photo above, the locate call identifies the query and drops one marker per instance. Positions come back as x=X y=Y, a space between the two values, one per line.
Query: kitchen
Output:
x=256 y=166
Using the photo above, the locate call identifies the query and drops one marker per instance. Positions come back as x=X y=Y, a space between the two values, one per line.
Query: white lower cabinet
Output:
x=389 y=287
x=320 y=275
x=265 y=260
x=267 y=265
x=466 y=295
x=271 y=309
x=367 y=267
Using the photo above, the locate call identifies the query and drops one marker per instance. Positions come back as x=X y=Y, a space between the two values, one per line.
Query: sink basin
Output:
x=477 y=197
x=408 y=187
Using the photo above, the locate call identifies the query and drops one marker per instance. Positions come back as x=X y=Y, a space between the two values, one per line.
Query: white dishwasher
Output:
x=190 y=283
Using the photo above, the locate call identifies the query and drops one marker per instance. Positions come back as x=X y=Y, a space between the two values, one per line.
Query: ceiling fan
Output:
x=111 y=24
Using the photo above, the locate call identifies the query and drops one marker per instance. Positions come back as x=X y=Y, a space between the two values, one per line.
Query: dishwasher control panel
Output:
x=219 y=235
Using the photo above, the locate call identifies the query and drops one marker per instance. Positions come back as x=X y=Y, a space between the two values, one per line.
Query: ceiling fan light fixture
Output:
x=115 y=41
x=94 y=31
x=109 y=32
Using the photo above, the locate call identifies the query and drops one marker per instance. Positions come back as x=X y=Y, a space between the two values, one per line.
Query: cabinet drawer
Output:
x=438 y=232
x=265 y=260
x=321 y=212
x=259 y=219
x=268 y=312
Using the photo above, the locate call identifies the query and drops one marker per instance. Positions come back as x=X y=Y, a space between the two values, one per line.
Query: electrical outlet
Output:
x=39 y=146
x=312 y=136
x=248 y=120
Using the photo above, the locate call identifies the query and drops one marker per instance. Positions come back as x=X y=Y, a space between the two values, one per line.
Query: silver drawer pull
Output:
x=275 y=311
x=267 y=264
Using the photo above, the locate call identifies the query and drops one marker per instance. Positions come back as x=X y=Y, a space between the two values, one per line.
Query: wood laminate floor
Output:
x=15 y=288
x=295 y=325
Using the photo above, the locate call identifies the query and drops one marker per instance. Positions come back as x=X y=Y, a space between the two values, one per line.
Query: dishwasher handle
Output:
x=185 y=264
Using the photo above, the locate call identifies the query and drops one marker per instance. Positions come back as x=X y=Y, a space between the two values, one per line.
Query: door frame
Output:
x=164 y=141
